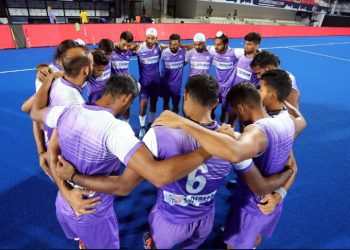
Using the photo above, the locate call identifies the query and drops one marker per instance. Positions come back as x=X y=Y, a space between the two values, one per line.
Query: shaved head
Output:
x=75 y=59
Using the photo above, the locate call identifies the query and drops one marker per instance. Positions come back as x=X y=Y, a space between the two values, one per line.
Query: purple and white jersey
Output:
x=120 y=61
x=64 y=93
x=225 y=65
x=173 y=66
x=95 y=143
x=279 y=133
x=191 y=197
x=244 y=72
x=95 y=85
x=294 y=82
x=199 y=63
x=148 y=60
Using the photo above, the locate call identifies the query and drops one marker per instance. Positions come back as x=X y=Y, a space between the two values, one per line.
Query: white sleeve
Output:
x=239 y=53
x=243 y=166
x=188 y=55
x=150 y=141
x=211 y=49
x=121 y=141
x=38 y=84
x=52 y=115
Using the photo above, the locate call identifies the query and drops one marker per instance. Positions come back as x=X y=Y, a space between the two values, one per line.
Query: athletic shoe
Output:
x=142 y=132
x=148 y=241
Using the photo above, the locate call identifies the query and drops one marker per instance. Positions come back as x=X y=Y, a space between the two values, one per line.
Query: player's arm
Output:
x=251 y=143
x=261 y=185
x=294 y=98
x=73 y=196
x=297 y=117
x=118 y=185
x=163 y=46
x=135 y=47
x=39 y=138
x=187 y=46
x=270 y=201
x=27 y=105
x=41 y=99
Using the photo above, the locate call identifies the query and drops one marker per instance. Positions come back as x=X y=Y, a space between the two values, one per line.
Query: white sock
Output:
x=127 y=120
x=142 y=120
x=151 y=116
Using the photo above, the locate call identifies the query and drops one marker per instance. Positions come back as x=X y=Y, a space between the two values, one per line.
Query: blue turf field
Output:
x=317 y=210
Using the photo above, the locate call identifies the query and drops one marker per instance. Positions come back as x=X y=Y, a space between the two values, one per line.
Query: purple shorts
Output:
x=191 y=235
x=222 y=96
x=173 y=91
x=103 y=233
x=150 y=89
x=244 y=226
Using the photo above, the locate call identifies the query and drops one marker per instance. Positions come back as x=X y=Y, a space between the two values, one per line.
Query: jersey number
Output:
x=195 y=184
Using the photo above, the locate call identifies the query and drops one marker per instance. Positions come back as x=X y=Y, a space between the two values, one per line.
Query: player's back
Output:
x=191 y=197
x=82 y=133
x=64 y=93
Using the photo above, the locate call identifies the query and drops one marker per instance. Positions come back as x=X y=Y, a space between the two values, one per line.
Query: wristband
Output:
x=282 y=191
x=72 y=177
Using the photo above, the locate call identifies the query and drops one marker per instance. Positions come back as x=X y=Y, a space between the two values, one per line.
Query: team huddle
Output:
x=84 y=144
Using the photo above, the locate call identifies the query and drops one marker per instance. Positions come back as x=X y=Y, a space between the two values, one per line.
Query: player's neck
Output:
x=258 y=114
x=78 y=81
x=277 y=106
x=198 y=117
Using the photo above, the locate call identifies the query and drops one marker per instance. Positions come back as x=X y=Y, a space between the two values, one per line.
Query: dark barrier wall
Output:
x=52 y=35
x=336 y=21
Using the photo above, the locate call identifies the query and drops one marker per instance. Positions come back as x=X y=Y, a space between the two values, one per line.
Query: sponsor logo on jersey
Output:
x=200 y=65
x=223 y=65
x=181 y=200
x=120 y=64
x=174 y=65
x=244 y=74
x=149 y=60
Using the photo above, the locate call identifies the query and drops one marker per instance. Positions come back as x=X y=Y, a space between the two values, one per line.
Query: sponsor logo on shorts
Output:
x=244 y=74
x=181 y=200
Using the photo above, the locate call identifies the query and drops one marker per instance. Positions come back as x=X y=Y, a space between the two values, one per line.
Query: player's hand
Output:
x=64 y=169
x=43 y=73
x=227 y=130
x=79 y=204
x=43 y=163
x=269 y=203
x=168 y=119
x=291 y=163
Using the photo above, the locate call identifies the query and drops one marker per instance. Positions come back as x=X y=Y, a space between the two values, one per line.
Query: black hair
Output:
x=127 y=36
x=73 y=64
x=244 y=93
x=253 y=37
x=106 y=45
x=223 y=37
x=278 y=81
x=100 y=58
x=121 y=84
x=265 y=58
x=175 y=37
x=203 y=88
x=63 y=47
